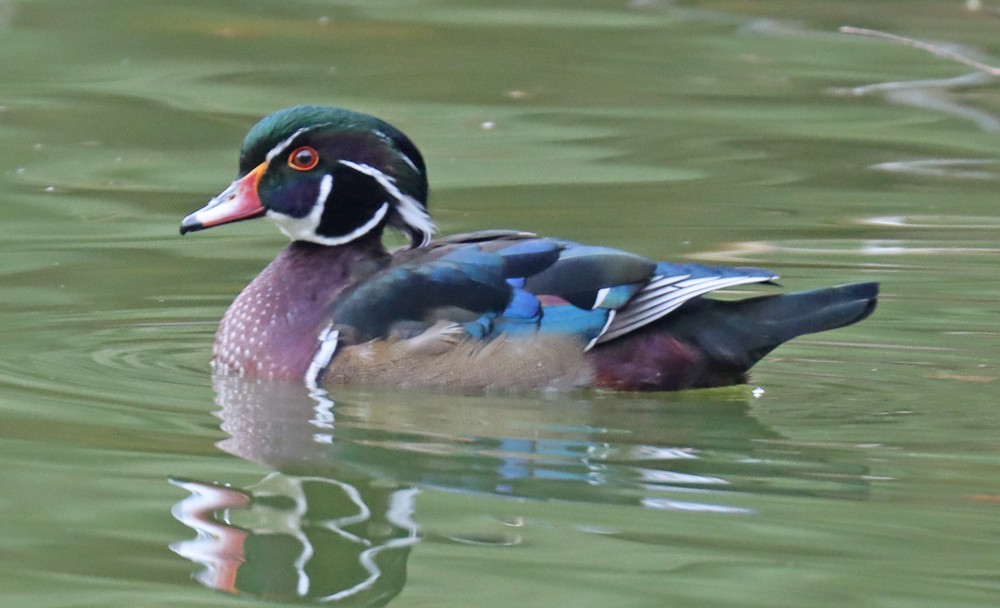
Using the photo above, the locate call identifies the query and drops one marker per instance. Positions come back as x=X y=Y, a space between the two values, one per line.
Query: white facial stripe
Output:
x=415 y=216
x=388 y=141
x=305 y=228
x=285 y=143
x=387 y=182
x=325 y=185
x=409 y=209
x=357 y=232
x=409 y=162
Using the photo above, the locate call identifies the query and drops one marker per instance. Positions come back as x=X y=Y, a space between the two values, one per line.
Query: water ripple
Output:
x=959 y=168
x=124 y=356
x=936 y=222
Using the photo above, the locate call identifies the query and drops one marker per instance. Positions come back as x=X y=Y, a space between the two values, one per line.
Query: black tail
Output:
x=735 y=335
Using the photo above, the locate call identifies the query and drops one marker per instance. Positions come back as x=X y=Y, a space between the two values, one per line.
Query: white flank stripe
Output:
x=321 y=360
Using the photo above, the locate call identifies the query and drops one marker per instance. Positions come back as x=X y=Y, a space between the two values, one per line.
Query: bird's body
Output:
x=492 y=309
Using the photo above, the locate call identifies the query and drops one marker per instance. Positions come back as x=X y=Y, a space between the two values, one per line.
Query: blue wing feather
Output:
x=568 y=319
x=517 y=283
x=523 y=306
x=582 y=271
x=528 y=258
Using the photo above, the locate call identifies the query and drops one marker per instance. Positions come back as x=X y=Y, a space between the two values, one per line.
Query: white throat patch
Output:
x=305 y=228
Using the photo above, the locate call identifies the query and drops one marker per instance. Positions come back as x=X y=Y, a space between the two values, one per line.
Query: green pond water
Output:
x=864 y=472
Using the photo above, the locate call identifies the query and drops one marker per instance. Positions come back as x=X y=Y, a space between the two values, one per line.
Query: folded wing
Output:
x=499 y=282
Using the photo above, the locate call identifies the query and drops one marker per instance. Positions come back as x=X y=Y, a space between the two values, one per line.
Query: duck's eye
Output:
x=303 y=159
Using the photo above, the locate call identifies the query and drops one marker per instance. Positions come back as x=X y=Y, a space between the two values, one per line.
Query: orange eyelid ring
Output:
x=303 y=159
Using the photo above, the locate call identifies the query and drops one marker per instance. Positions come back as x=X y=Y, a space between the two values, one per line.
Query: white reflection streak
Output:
x=653 y=452
x=936 y=222
x=400 y=513
x=663 y=504
x=672 y=477
x=940 y=167
x=323 y=417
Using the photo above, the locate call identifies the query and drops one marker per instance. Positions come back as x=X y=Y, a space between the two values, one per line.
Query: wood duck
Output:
x=492 y=309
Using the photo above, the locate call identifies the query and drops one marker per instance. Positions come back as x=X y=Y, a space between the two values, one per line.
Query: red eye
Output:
x=303 y=159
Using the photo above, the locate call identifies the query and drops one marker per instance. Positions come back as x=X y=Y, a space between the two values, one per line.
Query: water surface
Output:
x=859 y=468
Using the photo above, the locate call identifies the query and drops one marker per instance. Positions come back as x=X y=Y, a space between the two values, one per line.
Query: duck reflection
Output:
x=335 y=518
x=299 y=537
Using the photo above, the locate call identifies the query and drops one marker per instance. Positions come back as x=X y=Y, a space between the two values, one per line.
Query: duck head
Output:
x=325 y=175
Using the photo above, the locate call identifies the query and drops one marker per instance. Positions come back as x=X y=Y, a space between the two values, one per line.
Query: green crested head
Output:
x=326 y=175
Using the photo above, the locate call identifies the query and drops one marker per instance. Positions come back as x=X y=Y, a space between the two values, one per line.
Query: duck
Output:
x=494 y=309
